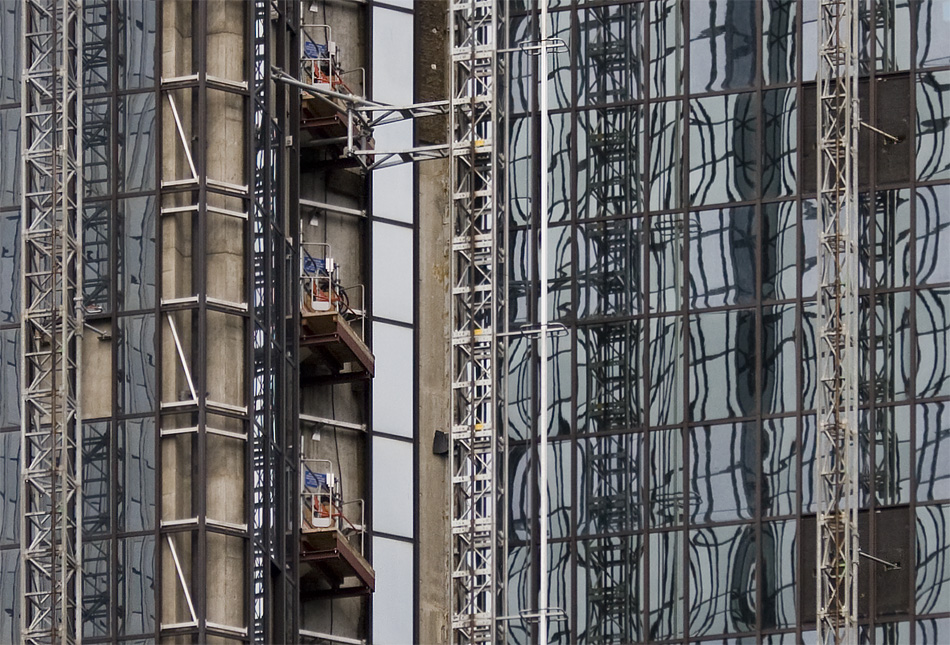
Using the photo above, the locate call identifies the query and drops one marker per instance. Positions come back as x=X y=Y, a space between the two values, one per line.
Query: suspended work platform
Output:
x=330 y=348
x=332 y=566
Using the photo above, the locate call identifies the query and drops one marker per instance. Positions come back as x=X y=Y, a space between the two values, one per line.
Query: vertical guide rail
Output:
x=50 y=321
x=477 y=447
x=837 y=442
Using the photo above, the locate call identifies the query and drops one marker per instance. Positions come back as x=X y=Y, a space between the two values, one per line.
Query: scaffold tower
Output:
x=51 y=321
x=837 y=443
x=477 y=447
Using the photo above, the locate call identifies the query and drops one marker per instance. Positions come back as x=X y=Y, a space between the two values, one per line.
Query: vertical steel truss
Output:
x=837 y=443
x=51 y=321
x=477 y=314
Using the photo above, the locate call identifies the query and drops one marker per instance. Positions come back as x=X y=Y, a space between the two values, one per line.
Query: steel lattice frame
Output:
x=477 y=315
x=51 y=321
x=837 y=444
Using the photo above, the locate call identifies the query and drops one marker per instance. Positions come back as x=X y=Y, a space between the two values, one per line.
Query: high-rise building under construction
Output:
x=279 y=361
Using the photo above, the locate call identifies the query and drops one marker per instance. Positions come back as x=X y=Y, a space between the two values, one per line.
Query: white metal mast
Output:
x=837 y=443
x=477 y=445
x=50 y=321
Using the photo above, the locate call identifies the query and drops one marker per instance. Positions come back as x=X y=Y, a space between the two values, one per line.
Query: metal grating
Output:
x=51 y=320
x=837 y=445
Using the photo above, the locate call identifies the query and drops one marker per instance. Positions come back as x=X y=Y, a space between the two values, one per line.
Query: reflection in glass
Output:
x=933 y=126
x=560 y=273
x=97 y=607
x=933 y=233
x=9 y=267
x=520 y=258
x=97 y=254
x=722 y=149
x=666 y=370
x=780 y=451
x=809 y=355
x=779 y=359
x=933 y=559
x=137 y=254
x=136 y=363
x=520 y=592
x=560 y=172
x=891 y=342
x=520 y=371
x=9 y=154
x=891 y=248
x=723 y=465
x=809 y=502
x=559 y=61
x=560 y=589
x=933 y=342
x=722 y=580
x=891 y=38
x=780 y=134
x=778 y=41
x=519 y=171
x=722 y=262
x=722 y=366
x=608 y=487
x=9 y=488
x=809 y=248
x=609 y=364
x=10 y=377
x=137 y=458
x=610 y=162
x=666 y=48
x=666 y=154
x=666 y=585
x=933 y=452
x=136 y=43
x=610 y=279
x=892 y=455
x=560 y=373
x=136 y=580
x=97 y=147
x=932 y=631
x=933 y=25
x=666 y=477
x=9 y=587
x=666 y=263
x=779 y=557
x=137 y=142
x=96 y=477
x=610 y=54
x=10 y=25
x=722 y=47
x=559 y=489
x=608 y=594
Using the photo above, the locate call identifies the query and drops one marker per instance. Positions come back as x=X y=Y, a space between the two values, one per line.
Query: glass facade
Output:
x=682 y=259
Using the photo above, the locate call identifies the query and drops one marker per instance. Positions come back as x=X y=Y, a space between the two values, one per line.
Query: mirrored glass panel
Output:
x=609 y=267
x=722 y=581
x=779 y=360
x=722 y=257
x=723 y=154
x=780 y=453
x=611 y=53
x=137 y=253
x=780 y=142
x=97 y=603
x=667 y=504
x=933 y=25
x=723 y=462
x=933 y=126
x=136 y=444
x=779 y=40
x=933 y=234
x=666 y=370
x=933 y=342
x=608 y=484
x=609 y=365
x=135 y=347
x=97 y=479
x=10 y=491
x=933 y=558
x=609 y=590
x=722 y=364
x=666 y=585
x=722 y=45
x=779 y=543
x=9 y=267
x=933 y=451
x=136 y=585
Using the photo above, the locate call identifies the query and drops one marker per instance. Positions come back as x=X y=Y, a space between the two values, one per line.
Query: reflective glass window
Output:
x=933 y=25
x=666 y=478
x=560 y=93
x=136 y=43
x=136 y=363
x=891 y=246
x=393 y=602
x=722 y=566
x=610 y=161
x=609 y=589
x=97 y=147
x=609 y=364
x=809 y=248
x=136 y=580
x=10 y=26
x=96 y=477
x=779 y=558
x=521 y=170
x=780 y=452
x=780 y=142
x=392 y=389
x=666 y=370
x=933 y=233
x=520 y=372
x=933 y=126
x=722 y=257
x=560 y=378
x=932 y=631
x=9 y=267
x=608 y=481
x=933 y=451
x=723 y=462
x=609 y=267
x=137 y=456
x=559 y=489
x=933 y=342
x=610 y=55
x=10 y=156
x=779 y=40
x=392 y=486
x=722 y=45
x=9 y=488
x=9 y=586
x=560 y=171
x=560 y=273
x=892 y=346
x=10 y=377
x=97 y=253
x=97 y=604
x=779 y=359
x=560 y=588
x=97 y=39
x=666 y=585
x=891 y=428
x=722 y=364
x=809 y=502
x=519 y=586
x=809 y=363
x=933 y=559
x=137 y=142
x=137 y=256
x=666 y=47
x=666 y=155
x=891 y=33
x=665 y=244
x=723 y=152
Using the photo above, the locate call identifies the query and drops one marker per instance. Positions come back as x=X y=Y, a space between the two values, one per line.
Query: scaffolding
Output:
x=51 y=321
x=837 y=444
